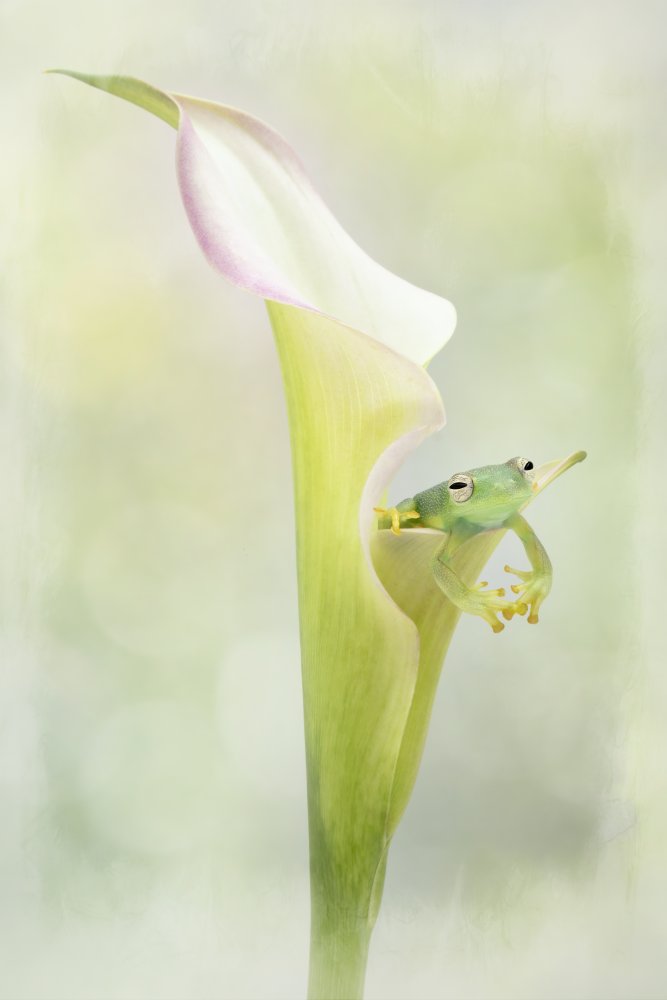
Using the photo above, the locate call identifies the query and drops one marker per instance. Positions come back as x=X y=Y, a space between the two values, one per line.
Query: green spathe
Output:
x=352 y=341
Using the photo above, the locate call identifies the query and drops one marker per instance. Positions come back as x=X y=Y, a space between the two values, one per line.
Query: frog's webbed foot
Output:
x=396 y=516
x=488 y=604
x=474 y=600
x=532 y=591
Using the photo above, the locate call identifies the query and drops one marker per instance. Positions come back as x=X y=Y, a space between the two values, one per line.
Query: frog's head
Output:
x=488 y=496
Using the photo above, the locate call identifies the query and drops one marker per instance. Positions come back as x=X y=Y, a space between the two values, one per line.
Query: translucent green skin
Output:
x=499 y=492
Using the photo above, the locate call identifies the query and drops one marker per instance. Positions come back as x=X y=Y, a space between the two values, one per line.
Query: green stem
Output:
x=340 y=934
x=338 y=956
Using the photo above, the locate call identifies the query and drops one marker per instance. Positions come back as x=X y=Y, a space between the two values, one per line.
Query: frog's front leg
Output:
x=535 y=584
x=392 y=516
x=488 y=604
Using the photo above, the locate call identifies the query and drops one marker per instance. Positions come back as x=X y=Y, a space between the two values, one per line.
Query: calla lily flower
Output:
x=353 y=342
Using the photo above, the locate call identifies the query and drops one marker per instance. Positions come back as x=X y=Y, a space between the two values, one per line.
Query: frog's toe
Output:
x=531 y=592
x=498 y=592
x=491 y=603
x=534 y=596
x=523 y=574
x=391 y=514
x=491 y=617
x=395 y=515
x=535 y=604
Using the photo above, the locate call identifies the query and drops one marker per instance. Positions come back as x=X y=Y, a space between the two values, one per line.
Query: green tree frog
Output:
x=468 y=503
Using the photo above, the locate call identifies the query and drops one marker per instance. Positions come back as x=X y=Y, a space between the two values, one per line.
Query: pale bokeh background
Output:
x=152 y=795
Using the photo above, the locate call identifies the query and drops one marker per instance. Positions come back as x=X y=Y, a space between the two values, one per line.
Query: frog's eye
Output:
x=523 y=465
x=460 y=487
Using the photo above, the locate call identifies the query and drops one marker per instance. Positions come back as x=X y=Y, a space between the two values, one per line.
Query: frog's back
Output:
x=432 y=505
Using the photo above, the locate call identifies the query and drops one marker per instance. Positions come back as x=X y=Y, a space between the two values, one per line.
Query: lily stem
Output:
x=338 y=957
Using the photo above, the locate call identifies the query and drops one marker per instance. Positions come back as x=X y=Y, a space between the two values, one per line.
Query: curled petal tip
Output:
x=546 y=473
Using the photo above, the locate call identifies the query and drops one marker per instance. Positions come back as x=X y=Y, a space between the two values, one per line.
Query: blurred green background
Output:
x=509 y=156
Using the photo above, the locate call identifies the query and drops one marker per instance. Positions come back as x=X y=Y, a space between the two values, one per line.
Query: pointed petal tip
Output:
x=546 y=473
x=59 y=71
x=570 y=460
x=130 y=89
